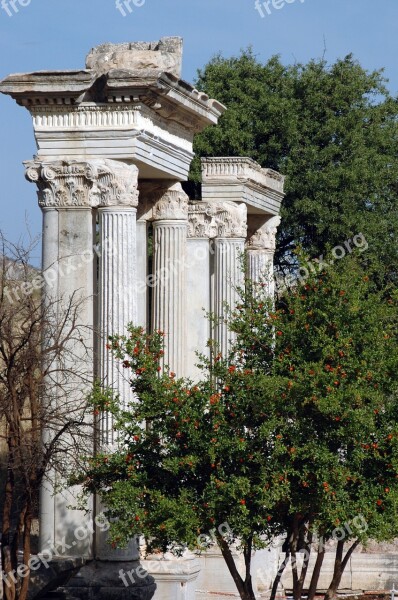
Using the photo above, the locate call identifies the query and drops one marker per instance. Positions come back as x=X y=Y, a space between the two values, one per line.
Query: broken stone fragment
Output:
x=164 y=55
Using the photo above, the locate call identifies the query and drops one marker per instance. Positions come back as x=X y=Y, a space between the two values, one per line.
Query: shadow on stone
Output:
x=101 y=580
x=51 y=575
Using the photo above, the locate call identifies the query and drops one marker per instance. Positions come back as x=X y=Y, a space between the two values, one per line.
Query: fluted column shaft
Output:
x=117 y=307
x=230 y=227
x=260 y=268
x=117 y=301
x=170 y=223
x=169 y=300
x=228 y=277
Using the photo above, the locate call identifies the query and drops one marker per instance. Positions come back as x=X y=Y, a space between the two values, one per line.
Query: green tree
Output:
x=332 y=130
x=293 y=433
x=336 y=349
x=194 y=457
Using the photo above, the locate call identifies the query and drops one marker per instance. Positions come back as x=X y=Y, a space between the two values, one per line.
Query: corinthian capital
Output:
x=201 y=220
x=262 y=235
x=231 y=220
x=172 y=205
x=83 y=184
x=217 y=219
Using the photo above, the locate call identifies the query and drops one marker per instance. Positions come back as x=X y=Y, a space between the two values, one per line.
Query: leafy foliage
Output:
x=332 y=130
x=294 y=432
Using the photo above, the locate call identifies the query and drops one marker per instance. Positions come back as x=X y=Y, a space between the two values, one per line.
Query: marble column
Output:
x=201 y=229
x=229 y=248
x=69 y=191
x=261 y=246
x=117 y=305
x=142 y=273
x=116 y=297
x=170 y=218
x=68 y=278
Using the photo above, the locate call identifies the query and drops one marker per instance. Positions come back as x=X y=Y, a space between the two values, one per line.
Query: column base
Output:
x=175 y=577
x=105 y=580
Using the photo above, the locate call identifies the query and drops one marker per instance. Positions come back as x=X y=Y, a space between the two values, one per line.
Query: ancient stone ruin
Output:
x=114 y=144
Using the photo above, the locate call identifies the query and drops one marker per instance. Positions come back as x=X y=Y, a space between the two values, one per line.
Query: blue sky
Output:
x=57 y=34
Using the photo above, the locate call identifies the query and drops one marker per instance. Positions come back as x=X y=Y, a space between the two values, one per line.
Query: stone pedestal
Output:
x=169 y=264
x=102 y=580
x=176 y=578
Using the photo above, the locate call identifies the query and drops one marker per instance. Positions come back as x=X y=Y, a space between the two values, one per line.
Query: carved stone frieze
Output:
x=239 y=168
x=262 y=235
x=82 y=184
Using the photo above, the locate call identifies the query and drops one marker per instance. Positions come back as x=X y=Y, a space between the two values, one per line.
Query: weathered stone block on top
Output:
x=163 y=55
x=241 y=179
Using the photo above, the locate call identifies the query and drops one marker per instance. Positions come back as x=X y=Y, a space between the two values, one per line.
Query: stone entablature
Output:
x=79 y=184
x=128 y=105
x=132 y=72
x=165 y=93
x=242 y=168
x=241 y=179
x=132 y=119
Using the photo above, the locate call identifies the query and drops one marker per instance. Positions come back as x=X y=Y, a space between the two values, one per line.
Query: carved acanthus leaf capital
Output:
x=262 y=236
x=217 y=219
x=201 y=220
x=172 y=205
x=231 y=219
x=81 y=184
x=116 y=185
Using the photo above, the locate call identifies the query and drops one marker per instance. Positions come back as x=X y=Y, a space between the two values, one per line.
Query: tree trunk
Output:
x=306 y=561
x=279 y=574
x=244 y=587
x=316 y=572
x=339 y=566
x=23 y=594
x=7 y=558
